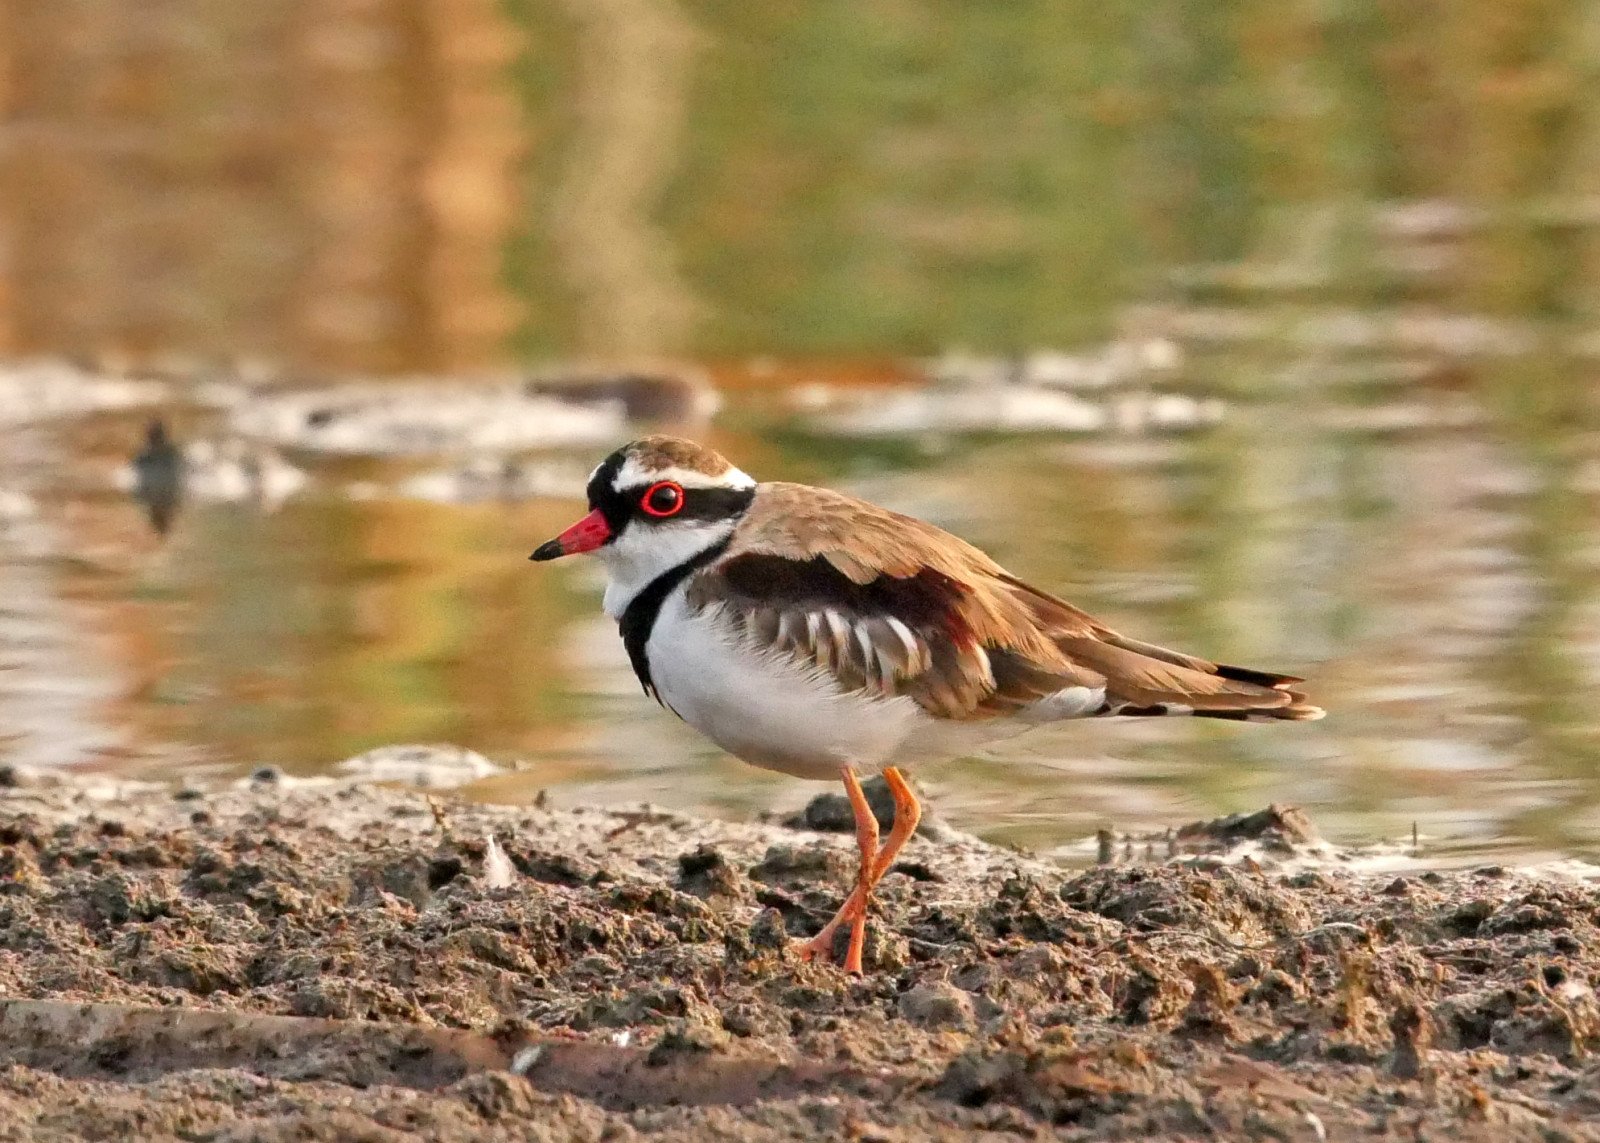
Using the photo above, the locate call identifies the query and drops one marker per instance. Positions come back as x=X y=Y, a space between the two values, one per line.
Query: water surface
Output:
x=1434 y=582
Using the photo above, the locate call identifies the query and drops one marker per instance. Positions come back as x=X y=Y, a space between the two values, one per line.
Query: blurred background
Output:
x=1265 y=329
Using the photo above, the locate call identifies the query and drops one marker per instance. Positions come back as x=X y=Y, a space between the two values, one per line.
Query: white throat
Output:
x=642 y=553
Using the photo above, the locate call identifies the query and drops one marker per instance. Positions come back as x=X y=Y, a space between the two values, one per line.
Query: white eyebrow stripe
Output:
x=632 y=474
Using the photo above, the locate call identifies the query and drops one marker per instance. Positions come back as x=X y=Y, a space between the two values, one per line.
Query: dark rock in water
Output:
x=158 y=477
x=831 y=812
x=644 y=396
x=1278 y=829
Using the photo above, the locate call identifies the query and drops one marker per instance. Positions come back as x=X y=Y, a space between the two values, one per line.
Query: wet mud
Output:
x=332 y=960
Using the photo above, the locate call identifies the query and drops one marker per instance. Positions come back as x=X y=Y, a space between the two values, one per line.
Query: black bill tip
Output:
x=548 y=550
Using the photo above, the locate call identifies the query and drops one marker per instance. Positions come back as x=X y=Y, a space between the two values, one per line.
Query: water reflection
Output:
x=1437 y=584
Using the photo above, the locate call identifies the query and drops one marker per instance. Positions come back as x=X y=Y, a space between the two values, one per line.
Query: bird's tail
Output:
x=1143 y=679
x=1260 y=696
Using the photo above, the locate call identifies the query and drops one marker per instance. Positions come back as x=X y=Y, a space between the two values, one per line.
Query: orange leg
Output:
x=854 y=908
x=874 y=863
x=907 y=813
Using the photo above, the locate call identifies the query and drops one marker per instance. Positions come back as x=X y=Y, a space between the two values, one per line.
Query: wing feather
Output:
x=890 y=605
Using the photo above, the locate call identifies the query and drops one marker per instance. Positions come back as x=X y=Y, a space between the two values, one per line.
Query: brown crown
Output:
x=659 y=452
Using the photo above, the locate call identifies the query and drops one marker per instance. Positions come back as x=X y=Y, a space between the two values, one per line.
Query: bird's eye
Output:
x=663 y=498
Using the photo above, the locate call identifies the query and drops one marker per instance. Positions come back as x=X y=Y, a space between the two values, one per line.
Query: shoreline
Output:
x=331 y=960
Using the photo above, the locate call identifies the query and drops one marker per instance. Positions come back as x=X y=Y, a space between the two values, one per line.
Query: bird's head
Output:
x=654 y=504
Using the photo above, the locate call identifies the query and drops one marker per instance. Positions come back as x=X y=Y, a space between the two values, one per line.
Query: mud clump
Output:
x=276 y=961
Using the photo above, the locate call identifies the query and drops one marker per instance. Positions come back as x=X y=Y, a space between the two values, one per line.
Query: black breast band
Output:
x=639 y=617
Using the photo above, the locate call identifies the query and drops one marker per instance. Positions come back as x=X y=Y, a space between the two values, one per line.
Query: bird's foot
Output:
x=821 y=946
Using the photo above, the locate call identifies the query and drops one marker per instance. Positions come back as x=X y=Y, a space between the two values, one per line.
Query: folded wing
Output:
x=889 y=605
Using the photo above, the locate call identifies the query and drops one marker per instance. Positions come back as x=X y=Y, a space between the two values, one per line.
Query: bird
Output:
x=158 y=477
x=806 y=631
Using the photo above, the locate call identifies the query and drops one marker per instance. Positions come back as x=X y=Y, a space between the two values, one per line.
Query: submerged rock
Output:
x=42 y=389
x=440 y=767
x=662 y=396
x=420 y=418
x=496 y=478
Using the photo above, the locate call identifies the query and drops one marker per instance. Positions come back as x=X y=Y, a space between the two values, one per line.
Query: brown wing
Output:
x=1143 y=675
x=891 y=605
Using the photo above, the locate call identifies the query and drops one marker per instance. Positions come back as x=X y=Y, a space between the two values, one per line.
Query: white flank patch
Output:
x=764 y=707
x=1071 y=702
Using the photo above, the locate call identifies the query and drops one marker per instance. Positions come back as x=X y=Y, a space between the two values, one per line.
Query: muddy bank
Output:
x=332 y=961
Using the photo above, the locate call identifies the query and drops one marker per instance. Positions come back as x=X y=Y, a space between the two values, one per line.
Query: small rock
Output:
x=404 y=877
x=1413 y=1034
x=499 y=1095
x=767 y=931
x=644 y=396
x=1036 y=960
x=793 y=865
x=685 y=1037
x=438 y=767
x=554 y=868
x=937 y=1004
x=443 y=870
x=1207 y=1013
x=832 y=813
x=704 y=872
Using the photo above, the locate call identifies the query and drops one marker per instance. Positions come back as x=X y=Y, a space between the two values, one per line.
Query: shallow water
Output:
x=1432 y=577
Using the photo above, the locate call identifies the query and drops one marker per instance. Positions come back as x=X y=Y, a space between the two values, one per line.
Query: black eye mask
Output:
x=628 y=506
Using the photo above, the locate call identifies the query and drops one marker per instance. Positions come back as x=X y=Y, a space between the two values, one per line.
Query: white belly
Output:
x=764 y=707
x=773 y=712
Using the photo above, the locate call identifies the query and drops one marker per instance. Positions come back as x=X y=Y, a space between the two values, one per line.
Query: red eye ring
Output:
x=650 y=494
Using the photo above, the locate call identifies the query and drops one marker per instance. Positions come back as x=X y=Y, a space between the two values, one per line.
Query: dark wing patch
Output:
x=928 y=600
x=906 y=635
